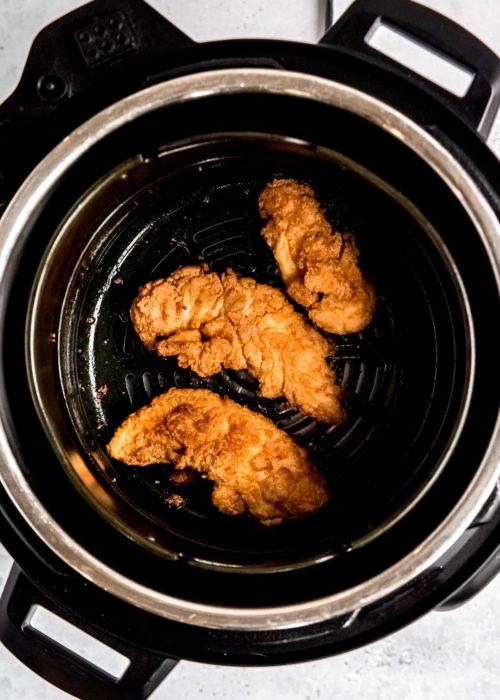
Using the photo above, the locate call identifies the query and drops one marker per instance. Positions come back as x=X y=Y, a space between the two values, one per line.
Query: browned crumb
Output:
x=184 y=477
x=175 y=500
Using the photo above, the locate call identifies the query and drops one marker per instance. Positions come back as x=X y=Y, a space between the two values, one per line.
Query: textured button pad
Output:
x=105 y=38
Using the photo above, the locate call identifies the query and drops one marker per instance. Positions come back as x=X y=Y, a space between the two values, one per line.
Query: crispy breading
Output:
x=256 y=467
x=319 y=267
x=210 y=321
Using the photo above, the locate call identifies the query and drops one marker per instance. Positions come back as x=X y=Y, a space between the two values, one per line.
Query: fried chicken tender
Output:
x=318 y=266
x=210 y=321
x=256 y=467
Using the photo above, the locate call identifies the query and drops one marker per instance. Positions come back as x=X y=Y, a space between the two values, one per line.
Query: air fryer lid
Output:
x=223 y=230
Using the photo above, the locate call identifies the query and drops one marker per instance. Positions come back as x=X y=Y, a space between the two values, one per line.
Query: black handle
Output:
x=98 y=49
x=475 y=585
x=62 y=667
x=81 y=47
x=479 y=106
x=489 y=568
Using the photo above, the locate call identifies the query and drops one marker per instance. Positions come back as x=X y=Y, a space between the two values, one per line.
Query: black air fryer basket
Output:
x=178 y=185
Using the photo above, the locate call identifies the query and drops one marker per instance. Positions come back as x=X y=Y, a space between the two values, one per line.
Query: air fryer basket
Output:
x=194 y=199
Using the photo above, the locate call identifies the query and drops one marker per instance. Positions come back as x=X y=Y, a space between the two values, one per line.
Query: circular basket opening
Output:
x=196 y=201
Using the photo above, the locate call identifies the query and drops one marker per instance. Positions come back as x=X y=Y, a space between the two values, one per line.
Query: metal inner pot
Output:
x=411 y=377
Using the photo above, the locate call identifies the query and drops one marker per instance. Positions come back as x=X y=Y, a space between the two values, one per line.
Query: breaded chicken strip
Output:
x=318 y=266
x=256 y=467
x=211 y=321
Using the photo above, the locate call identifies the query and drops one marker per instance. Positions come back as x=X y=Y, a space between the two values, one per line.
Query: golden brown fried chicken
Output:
x=256 y=467
x=319 y=267
x=212 y=321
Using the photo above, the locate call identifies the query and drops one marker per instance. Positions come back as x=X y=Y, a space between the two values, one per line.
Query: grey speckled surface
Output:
x=442 y=656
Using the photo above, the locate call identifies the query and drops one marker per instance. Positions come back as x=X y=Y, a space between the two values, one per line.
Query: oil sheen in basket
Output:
x=206 y=211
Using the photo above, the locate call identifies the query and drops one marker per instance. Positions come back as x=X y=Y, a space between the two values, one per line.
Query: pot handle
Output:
x=104 y=43
x=478 y=107
x=94 y=41
x=64 y=668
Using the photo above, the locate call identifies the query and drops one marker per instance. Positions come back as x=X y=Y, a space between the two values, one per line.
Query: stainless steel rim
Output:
x=191 y=88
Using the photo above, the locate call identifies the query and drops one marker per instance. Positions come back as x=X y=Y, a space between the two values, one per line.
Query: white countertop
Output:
x=444 y=656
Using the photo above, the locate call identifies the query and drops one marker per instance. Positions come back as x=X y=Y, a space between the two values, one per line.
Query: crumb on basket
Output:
x=175 y=500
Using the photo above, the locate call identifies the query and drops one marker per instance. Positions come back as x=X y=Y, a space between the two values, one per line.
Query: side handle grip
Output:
x=62 y=667
x=92 y=42
x=479 y=106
